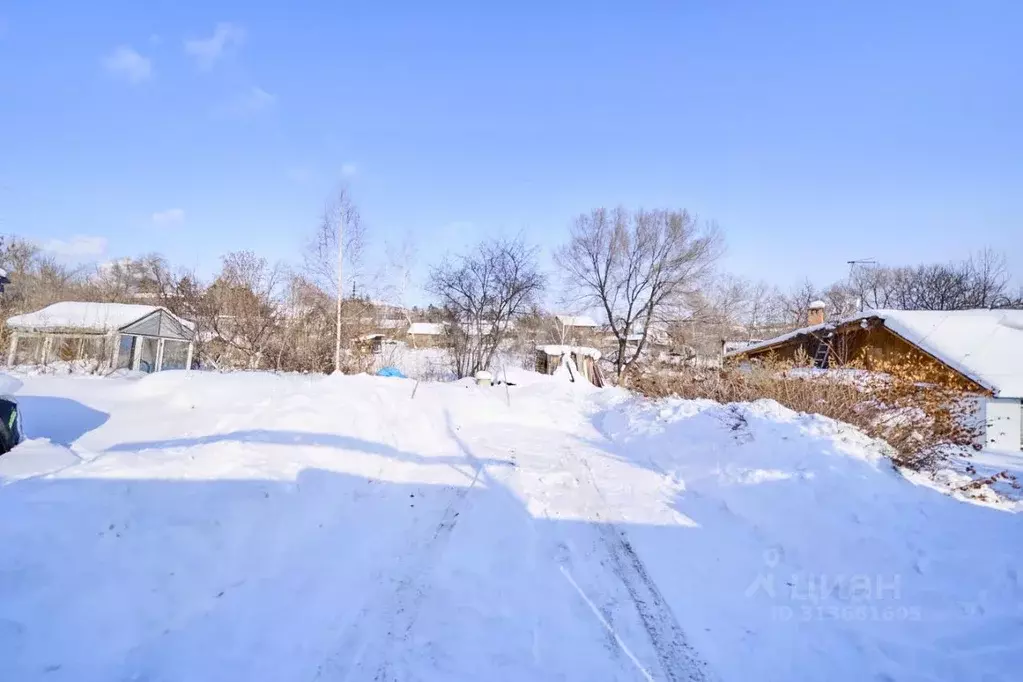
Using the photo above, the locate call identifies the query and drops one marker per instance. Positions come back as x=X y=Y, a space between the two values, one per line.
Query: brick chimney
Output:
x=815 y=313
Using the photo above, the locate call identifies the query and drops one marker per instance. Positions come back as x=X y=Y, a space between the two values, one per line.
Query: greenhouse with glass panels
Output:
x=142 y=338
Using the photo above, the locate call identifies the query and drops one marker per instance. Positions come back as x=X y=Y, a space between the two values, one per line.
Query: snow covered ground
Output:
x=259 y=527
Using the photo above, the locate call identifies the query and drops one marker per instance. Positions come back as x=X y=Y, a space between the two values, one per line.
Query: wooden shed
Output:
x=981 y=350
x=580 y=362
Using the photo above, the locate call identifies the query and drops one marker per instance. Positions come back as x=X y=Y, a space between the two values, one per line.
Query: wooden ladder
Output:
x=820 y=358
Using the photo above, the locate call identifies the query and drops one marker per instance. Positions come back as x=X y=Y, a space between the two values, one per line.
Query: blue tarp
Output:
x=390 y=372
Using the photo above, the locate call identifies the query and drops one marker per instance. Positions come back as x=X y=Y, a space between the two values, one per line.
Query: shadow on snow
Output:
x=304 y=439
x=62 y=420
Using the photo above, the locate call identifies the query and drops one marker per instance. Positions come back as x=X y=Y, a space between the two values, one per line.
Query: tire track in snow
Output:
x=375 y=645
x=390 y=612
x=678 y=659
x=387 y=618
x=607 y=625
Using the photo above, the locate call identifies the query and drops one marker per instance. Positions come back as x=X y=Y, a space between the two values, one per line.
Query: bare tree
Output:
x=37 y=280
x=339 y=240
x=841 y=300
x=727 y=308
x=760 y=316
x=981 y=281
x=147 y=278
x=481 y=292
x=241 y=307
x=306 y=328
x=988 y=279
x=635 y=267
x=398 y=277
x=795 y=304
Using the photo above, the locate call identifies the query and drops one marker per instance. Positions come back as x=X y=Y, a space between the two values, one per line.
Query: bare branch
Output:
x=634 y=267
x=481 y=293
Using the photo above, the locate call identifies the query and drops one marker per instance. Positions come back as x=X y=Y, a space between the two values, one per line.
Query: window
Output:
x=95 y=348
x=65 y=348
x=125 y=352
x=175 y=355
x=147 y=354
x=28 y=350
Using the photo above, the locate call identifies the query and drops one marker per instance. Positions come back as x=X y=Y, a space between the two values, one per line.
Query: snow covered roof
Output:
x=984 y=345
x=782 y=338
x=817 y=304
x=733 y=346
x=94 y=317
x=426 y=328
x=557 y=350
x=576 y=321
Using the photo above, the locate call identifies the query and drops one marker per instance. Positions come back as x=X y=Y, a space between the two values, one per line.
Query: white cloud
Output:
x=349 y=169
x=248 y=103
x=170 y=217
x=300 y=174
x=78 y=247
x=257 y=99
x=207 y=52
x=124 y=62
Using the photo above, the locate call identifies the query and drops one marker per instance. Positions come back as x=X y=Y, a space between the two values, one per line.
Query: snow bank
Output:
x=817 y=560
x=35 y=458
x=197 y=526
x=9 y=384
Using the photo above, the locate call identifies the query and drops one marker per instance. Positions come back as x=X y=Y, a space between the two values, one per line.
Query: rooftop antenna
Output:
x=852 y=268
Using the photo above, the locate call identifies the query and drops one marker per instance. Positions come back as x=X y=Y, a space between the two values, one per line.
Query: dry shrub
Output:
x=924 y=422
x=356 y=360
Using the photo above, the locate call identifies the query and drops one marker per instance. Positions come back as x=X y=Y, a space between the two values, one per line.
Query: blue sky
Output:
x=812 y=132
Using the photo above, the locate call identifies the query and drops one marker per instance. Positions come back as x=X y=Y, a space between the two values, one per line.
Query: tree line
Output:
x=649 y=277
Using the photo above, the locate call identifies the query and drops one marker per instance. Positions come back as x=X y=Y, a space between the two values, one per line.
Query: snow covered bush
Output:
x=923 y=419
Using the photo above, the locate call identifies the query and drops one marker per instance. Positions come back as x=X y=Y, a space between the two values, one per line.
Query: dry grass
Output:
x=923 y=422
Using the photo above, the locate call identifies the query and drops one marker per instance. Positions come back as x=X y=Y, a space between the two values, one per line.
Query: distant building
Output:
x=577 y=329
x=577 y=321
x=374 y=343
x=426 y=333
x=116 y=335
